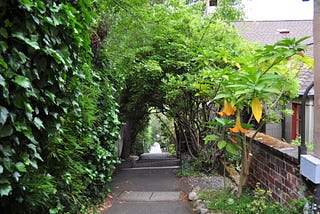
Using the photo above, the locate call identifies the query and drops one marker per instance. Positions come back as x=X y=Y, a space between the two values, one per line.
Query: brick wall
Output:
x=275 y=165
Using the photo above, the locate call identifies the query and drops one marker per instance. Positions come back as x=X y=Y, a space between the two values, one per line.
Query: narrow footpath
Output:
x=149 y=186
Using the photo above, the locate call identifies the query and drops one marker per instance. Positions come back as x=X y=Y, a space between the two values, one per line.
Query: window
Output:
x=213 y=3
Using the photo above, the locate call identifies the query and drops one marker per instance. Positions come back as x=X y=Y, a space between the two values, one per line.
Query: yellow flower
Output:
x=238 y=127
x=228 y=109
x=256 y=107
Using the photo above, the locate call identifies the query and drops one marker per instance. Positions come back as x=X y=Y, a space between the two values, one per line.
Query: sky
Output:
x=258 y=10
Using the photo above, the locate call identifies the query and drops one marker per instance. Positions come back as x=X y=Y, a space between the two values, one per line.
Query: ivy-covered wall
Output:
x=58 y=118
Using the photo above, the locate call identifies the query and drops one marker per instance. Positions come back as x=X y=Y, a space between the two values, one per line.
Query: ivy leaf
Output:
x=5 y=187
x=3 y=115
x=28 y=4
x=4 y=64
x=6 y=131
x=51 y=95
x=7 y=163
x=38 y=122
x=34 y=164
x=21 y=167
x=3 y=46
x=256 y=107
x=36 y=155
x=32 y=43
x=22 y=81
x=1 y=169
x=28 y=107
x=7 y=151
x=2 y=80
x=16 y=175
x=3 y=33
x=222 y=144
x=55 y=54
x=22 y=56
x=33 y=147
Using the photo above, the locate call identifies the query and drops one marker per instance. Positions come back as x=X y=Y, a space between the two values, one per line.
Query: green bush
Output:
x=254 y=202
x=58 y=117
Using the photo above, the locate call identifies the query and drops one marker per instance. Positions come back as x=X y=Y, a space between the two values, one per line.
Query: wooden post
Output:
x=316 y=54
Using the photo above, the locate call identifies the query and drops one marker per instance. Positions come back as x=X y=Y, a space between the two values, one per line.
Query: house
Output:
x=211 y=6
x=268 y=32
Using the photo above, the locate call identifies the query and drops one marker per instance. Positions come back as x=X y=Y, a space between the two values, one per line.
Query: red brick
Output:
x=283 y=172
x=288 y=184
x=275 y=196
x=294 y=180
x=289 y=168
x=271 y=179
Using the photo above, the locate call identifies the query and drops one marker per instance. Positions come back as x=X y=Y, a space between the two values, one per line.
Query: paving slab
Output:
x=149 y=196
x=153 y=191
x=166 y=196
x=135 y=196
x=158 y=156
x=149 y=208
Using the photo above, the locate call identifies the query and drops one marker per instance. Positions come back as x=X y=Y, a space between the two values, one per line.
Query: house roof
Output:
x=269 y=32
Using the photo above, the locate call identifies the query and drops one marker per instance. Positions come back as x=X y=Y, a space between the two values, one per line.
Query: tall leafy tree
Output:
x=153 y=44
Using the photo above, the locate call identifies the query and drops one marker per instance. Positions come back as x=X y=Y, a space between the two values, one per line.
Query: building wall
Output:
x=274 y=130
x=210 y=9
x=275 y=165
x=309 y=123
x=288 y=127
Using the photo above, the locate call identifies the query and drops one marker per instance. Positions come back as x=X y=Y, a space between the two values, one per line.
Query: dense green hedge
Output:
x=58 y=118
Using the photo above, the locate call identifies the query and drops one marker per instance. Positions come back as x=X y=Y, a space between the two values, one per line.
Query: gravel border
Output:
x=199 y=183
x=209 y=182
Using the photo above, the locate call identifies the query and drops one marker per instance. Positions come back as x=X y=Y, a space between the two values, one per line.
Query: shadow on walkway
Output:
x=150 y=187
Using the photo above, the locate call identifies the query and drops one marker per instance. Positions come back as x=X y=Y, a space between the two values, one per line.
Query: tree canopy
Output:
x=157 y=47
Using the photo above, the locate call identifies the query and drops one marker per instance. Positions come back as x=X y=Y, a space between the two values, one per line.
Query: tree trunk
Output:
x=245 y=164
x=127 y=140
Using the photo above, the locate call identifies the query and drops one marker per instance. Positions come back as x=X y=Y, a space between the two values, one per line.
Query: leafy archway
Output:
x=160 y=49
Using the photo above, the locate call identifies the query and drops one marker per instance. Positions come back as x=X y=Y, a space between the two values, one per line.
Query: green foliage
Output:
x=187 y=173
x=155 y=46
x=253 y=85
x=297 y=142
x=172 y=149
x=259 y=203
x=144 y=141
x=255 y=202
x=262 y=203
x=225 y=202
x=58 y=117
x=229 y=10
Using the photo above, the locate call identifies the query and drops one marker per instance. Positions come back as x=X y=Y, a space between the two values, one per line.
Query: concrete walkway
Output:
x=148 y=191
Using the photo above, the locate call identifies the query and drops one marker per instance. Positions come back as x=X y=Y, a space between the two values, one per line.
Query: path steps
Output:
x=151 y=186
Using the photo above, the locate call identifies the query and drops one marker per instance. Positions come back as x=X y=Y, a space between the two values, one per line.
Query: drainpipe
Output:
x=303 y=147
